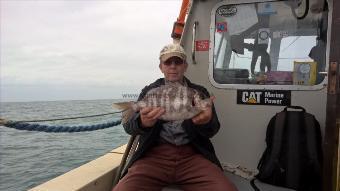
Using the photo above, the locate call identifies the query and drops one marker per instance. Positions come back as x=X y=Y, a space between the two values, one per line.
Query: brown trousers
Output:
x=168 y=164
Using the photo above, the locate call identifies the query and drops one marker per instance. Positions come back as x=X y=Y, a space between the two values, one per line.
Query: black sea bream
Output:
x=180 y=102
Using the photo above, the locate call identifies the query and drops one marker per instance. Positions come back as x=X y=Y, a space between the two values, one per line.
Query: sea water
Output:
x=29 y=158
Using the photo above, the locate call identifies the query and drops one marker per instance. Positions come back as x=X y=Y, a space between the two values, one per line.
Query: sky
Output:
x=81 y=49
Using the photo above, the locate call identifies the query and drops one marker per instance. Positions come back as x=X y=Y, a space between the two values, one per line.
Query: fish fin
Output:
x=127 y=110
x=126 y=115
x=3 y=121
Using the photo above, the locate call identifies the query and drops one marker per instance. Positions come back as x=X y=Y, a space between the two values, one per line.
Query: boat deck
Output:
x=242 y=184
x=99 y=174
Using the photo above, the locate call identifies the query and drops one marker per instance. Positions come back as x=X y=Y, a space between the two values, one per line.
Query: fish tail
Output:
x=127 y=110
x=123 y=105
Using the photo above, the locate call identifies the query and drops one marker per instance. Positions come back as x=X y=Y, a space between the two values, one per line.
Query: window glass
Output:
x=275 y=43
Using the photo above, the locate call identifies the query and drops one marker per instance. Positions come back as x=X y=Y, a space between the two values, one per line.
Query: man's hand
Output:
x=205 y=116
x=150 y=115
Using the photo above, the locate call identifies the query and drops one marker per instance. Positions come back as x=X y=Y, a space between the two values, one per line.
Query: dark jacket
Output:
x=199 y=135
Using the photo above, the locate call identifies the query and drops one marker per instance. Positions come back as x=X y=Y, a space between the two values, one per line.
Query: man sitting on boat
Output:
x=177 y=152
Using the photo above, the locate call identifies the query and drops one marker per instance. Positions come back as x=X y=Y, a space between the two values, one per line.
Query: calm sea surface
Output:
x=28 y=159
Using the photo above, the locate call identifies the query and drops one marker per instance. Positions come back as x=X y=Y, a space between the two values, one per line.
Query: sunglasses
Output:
x=177 y=62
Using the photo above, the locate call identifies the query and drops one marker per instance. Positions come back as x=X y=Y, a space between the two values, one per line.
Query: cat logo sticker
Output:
x=251 y=97
x=264 y=97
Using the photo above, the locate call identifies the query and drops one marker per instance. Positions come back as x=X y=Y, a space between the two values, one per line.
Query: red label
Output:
x=202 y=45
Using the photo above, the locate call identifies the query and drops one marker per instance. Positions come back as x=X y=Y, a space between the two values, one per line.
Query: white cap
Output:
x=171 y=50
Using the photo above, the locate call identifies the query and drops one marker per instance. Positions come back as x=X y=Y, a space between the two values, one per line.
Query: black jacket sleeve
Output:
x=134 y=126
x=209 y=129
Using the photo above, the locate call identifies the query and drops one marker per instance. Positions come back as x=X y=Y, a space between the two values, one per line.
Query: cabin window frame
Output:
x=319 y=86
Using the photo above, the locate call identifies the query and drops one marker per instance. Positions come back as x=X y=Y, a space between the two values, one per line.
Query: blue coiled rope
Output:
x=59 y=129
x=25 y=125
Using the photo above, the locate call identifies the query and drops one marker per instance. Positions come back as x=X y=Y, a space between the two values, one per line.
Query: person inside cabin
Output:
x=318 y=54
x=174 y=152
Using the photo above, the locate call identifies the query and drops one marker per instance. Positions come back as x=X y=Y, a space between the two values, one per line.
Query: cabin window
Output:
x=269 y=43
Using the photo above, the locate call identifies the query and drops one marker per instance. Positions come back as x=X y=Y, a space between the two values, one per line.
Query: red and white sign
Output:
x=202 y=45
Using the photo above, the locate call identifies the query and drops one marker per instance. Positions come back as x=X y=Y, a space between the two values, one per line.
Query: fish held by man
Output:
x=179 y=102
